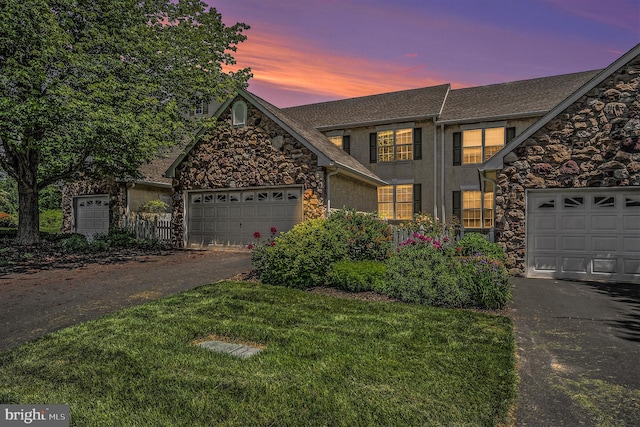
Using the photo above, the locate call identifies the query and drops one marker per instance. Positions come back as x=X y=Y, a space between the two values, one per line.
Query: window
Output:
x=395 y=145
x=201 y=108
x=239 y=114
x=474 y=146
x=398 y=202
x=474 y=208
x=341 y=141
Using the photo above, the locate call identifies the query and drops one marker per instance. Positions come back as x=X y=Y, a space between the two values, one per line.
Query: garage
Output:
x=231 y=217
x=91 y=215
x=586 y=234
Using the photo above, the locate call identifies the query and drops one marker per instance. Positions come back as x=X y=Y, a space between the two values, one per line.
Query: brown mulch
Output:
x=48 y=255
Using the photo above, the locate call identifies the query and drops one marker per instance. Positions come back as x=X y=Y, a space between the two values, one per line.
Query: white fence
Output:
x=155 y=228
x=454 y=234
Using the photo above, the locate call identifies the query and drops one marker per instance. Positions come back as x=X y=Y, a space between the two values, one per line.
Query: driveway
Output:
x=34 y=304
x=578 y=353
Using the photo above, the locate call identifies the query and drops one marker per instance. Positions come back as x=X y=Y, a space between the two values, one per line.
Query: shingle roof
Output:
x=320 y=144
x=514 y=98
x=373 y=109
x=153 y=172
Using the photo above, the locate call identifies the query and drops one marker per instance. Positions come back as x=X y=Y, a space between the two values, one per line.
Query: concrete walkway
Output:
x=578 y=353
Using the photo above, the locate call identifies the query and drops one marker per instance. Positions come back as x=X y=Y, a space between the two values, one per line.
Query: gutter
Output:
x=375 y=122
x=493 y=118
x=328 y=184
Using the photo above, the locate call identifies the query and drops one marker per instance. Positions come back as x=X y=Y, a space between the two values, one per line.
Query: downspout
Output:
x=435 y=168
x=484 y=179
x=328 y=187
x=442 y=195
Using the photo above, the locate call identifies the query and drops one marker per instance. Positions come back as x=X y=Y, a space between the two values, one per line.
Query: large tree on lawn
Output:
x=100 y=86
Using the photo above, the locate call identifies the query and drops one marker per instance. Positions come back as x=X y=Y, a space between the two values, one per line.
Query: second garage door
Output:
x=232 y=217
x=584 y=234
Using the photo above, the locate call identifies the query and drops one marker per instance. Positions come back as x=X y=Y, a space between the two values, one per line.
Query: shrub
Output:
x=6 y=220
x=301 y=257
x=51 y=221
x=155 y=206
x=424 y=273
x=489 y=281
x=357 y=276
x=477 y=244
x=74 y=243
x=118 y=237
x=367 y=236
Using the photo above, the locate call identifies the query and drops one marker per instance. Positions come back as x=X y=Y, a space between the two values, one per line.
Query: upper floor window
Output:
x=239 y=114
x=341 y=141
x=201 y=108
x=474 y=146
x=395 y=145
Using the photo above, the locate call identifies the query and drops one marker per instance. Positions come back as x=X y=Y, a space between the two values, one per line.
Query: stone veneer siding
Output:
x=241 y=157
x=593 y=143
x=117 y=192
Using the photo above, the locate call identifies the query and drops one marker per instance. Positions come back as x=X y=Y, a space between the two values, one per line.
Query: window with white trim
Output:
x=474 y=208
x=475 y=146
x=239 y=114
x=395 y=202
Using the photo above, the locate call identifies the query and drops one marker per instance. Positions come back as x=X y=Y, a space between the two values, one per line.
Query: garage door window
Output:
x=573 y=202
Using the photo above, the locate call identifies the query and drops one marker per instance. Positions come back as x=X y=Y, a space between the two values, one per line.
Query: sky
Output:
x=308 y=51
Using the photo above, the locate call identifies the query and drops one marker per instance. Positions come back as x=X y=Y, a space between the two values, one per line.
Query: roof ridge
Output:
x=531 y=80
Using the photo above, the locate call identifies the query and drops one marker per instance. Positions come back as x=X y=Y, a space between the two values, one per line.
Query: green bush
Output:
x=74 y=243
x=118 y=237
x=7 y=221
x=51 y=221
x=367 y=236
x=476 y=244
x=357 y=276
x=489 y=281
x=301 y=257
x=426 y=274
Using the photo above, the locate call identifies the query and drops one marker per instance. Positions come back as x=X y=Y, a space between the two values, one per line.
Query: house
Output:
x=567 y=188
x=261 y=169
x=526 y=160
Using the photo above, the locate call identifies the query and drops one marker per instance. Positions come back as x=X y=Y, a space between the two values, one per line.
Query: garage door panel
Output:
x=91 y=215
x=598 y=234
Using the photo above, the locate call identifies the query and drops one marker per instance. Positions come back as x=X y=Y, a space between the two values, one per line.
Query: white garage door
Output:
x=231 y=217
x=584 y=234
x=92 y=215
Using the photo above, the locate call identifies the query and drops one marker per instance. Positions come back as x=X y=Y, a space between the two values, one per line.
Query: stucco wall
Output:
x=141 y=193
x=347 y=192
x=259 y=154
x=593 y=143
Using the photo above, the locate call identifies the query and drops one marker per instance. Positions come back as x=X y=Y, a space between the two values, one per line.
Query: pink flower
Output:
x=256 y=234
x=272 y=243
x=249 y=246
x=274 y=230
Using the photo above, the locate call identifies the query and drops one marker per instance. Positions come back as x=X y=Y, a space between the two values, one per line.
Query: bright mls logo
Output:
x=34 y=415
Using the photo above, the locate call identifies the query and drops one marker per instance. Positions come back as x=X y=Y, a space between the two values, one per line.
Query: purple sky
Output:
x=305 y=51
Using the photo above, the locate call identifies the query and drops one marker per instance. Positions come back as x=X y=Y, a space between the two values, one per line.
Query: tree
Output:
x=100 y=86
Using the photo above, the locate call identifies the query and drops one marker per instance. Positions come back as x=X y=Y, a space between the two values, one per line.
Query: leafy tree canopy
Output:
x=102 y=85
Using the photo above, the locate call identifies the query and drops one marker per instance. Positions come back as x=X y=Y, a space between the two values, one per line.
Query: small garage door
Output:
x=92 y=215
x=584 y=235
x=231 y=217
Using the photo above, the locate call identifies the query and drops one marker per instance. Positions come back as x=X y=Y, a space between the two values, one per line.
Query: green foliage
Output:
x=301 y=257
x=8 y=195
x=368 y=236
x=101 y=87
x=118 y=237
x=75 y=243
x=357 y=276
x=425 y=270
x=6 y=220
x=155 y=206
x=51 y=221
x=477 y=244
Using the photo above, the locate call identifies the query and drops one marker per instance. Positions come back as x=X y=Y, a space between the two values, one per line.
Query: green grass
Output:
x=327 y=361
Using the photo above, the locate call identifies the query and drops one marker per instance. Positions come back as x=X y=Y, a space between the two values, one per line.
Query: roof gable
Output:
x=496 y=162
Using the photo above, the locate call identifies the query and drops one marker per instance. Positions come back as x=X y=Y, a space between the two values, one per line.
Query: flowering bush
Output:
x=367 y=236
x=477 y=244
x=270 y=240
x=437 y=272
x=427 y=225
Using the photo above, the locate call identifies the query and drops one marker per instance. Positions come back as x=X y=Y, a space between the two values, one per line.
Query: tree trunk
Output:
x=28 y=215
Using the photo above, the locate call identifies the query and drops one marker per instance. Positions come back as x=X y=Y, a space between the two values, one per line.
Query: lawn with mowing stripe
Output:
x=326 y=361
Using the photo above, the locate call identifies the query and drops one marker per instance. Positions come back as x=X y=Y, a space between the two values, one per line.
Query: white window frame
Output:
x=482 y=214
x=239 y=114
x=383 y=155
x=401 y=197
x=483 y=147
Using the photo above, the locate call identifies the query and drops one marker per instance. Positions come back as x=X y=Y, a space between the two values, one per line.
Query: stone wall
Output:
x=593 y=143
x=117 y=192
x=259 y=154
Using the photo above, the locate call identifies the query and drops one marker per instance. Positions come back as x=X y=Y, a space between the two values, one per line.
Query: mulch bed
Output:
x=48 y=255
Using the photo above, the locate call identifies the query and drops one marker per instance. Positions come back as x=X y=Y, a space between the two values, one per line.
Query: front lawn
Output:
x=327 y=361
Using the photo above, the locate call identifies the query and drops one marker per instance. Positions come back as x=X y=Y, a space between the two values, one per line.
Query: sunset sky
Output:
x=306 y=51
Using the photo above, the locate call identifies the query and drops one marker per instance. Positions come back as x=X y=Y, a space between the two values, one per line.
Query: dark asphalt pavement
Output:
x=578 y=353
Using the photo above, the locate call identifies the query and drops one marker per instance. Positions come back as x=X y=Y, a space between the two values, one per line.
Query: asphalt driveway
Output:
x=578 y=353
x=34 y=304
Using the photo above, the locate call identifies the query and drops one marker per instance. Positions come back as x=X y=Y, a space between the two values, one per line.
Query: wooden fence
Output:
x=454 y=234
x=156 y=228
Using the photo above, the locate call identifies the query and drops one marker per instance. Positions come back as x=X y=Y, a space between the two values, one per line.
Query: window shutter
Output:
x=417 y=198
x=417 y=144
x=373 y=147
x=457 y=148
x=205 y=108
x=510 y=134
x=457 y=205
x=346 y=143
